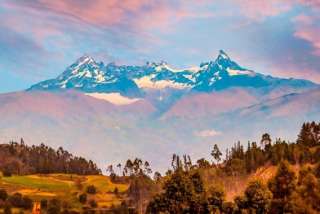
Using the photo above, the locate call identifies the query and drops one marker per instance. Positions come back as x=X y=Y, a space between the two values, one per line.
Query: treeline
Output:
x=21 y=159
x=184 y=191
x=305 y=150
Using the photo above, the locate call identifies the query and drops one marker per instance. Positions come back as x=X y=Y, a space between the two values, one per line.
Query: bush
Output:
x=83 y=198
x=93 y=203
x=116 y=191
x=7 y=209
x=26 y=203
x=16 y=200
x=54 y=206
x=44 y=204
x=91 y=189
x=3 y=195
x=6 y=172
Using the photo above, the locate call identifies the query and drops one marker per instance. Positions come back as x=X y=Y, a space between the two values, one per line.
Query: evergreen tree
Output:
x=282 y=186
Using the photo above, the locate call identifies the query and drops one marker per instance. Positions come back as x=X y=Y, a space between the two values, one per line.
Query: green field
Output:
x=65 y=187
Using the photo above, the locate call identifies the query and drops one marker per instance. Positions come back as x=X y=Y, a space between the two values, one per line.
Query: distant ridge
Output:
x=87 y=75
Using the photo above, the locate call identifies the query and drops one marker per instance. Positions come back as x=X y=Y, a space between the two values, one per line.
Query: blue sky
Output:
x=39 y=38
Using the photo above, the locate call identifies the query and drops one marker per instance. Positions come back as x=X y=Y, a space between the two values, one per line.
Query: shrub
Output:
x=116 y=191
x=26 y=203
x=6 y=172
x=83 y=198
x=7 y=209
x=54 y=206
x=3 y=195
x=91 y=189
x=44 y=204
x=93 y=203
x=16 y=200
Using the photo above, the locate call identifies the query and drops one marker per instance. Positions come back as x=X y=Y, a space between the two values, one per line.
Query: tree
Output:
x=3 y=194
x=110 y=169
x=265 y=140
x=116 y=191
x=7 y=209
x=93 y=203
x=91 y=189
x=147 y=168
x=216 y=197
x=309 y=190
x=183 y=193
x=157 y=176
x=119 y=167
x=216 y=153
x=309 y=134
x=44 y=204
x=54 y=206
x=284 y=182
x=203 y=163
x=282 y=186
x=83 y=198
x=317 y=170
x=257 y=196
x=26 y=203
x=16 y=200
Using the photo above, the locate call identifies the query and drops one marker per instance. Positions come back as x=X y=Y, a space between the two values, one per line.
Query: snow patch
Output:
x=146 y=82
x=232 y=72
x=114 y=98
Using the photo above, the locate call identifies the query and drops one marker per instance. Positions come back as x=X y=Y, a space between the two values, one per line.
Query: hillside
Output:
x=245 y=176
x=22 y=159
x=67 y=188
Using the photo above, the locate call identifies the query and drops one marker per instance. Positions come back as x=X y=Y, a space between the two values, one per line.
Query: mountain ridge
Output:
x=129 y=80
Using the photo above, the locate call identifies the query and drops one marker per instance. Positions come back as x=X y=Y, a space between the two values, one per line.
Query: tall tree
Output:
x=216 y=153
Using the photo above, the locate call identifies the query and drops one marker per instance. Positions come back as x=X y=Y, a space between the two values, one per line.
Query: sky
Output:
x=40 y=38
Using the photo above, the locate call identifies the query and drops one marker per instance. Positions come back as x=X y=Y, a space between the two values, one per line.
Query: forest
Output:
x=270 y=176
x=188 y=187
x=21 y=159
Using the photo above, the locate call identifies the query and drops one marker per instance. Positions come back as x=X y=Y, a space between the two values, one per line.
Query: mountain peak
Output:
x=156 y=64
x=85 y=59
x=223 y=55
x=87 y=75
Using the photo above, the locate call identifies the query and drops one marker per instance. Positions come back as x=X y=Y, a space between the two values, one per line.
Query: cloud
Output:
x=57 y=32
x=112 y=13
x=308 y=29
x=207 y=133
x=259 y=10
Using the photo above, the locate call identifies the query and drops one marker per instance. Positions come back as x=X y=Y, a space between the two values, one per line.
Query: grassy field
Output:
x=65 y=187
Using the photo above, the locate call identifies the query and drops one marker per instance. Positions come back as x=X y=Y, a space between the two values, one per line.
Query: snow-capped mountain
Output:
x=91 y=77
x=116 y=111
x=225 y=73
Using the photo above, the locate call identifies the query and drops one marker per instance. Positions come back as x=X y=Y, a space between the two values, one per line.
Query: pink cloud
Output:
x=307 y=30
x=295 y=72
x=259 y=10
x=106 y=13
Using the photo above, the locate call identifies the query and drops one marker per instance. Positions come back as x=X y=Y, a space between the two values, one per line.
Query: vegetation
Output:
x=266 y=177
x=22 y=159
x=184 y=188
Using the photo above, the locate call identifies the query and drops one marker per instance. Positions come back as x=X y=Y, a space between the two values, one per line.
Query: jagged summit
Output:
x=89 y=76
x=85 y=59
x=223 y=55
